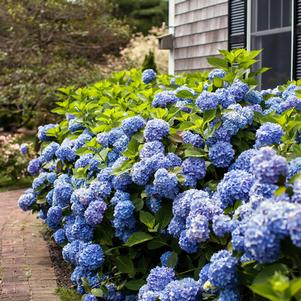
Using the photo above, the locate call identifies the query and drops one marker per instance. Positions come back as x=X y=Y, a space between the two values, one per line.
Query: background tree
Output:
x=142 y=15
x=49 y=44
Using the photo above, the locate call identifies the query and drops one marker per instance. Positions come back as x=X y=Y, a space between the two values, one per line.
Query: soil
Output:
x=62 y=269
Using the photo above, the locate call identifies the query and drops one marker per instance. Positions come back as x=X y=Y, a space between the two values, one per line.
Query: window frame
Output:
x=249 y=32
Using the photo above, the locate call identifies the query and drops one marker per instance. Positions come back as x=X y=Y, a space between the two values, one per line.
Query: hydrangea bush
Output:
x=176 y=188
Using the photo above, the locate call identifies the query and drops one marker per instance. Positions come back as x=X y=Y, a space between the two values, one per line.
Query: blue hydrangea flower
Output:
x=207 y=101
x=159 y=277
x=132 y=125
x=61 y=194
x=74 y=125
x=225 y=99
x=165 y=184
x=238 y=89
x=180 y=290
x=94 y=213
x=34 y=166
x=290 y=103
x=24 y=148
x=81 y=230
x=164 y=258
x=219 y=73
x=89 y=297
x=156 y=129
x=229 y=295
x=269 y=133
x=243 y=161
x=54 y=216
x=222 y=272
x=27 y=200
x=142 y=171
x=153 y=204
x=59 y=236
x=163 y=99
x=294 y=167
x=193 y=139
x=235 y=186
x=51 y=177
x=197 y=228
x=100 y=189
x=148 y=75
x=71 y=250
x=222 y=224
x=81 y=140
x=39 y=183
x=294 y=227
x=253 y=97
x=66 y=153
x=221 y=154
x=151 y=148
x=194 y=167
x=42 y=132
x=91 y=257
x=268 y=167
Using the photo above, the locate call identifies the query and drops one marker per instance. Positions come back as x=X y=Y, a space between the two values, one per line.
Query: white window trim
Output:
x=171 y=25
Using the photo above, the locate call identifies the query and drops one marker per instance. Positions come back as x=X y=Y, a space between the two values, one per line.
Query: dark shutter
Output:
x=297 y=40
x=237 y=24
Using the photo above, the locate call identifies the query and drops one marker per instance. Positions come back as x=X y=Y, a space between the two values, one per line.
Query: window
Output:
x=271 y=30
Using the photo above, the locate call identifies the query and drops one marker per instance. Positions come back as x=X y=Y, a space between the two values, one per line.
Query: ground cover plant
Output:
x=175 y=188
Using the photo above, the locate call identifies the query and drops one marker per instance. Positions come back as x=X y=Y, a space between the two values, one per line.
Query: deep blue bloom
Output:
x=235 y=186
x=59 y=236
x=269 y=133
x=229 y=295
x=151 y=148
x=24 y=148
x=132 y=125
x=27 y=200
x=207 y=101
x=42 y=131
x=243 y=161
x=219 y=73
x=253 y=97
x=225 y=99
x=95 y=211
x=238 y=89
x=156 y=129
x=89 y=297
x=74 y=125
x=148 y=75
x=159 y=277
x=165 y=184
x=54 y=216
x=34 y=166
x=221 y=154
x=268 y=167
x=182 y=290
x=193 y=139
x=91 y=257
x=163 y=99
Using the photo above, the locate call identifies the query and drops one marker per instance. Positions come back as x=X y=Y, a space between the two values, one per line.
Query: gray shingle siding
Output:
x=200 y=30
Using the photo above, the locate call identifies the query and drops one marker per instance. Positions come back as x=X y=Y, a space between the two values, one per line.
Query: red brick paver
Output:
x=26 y=273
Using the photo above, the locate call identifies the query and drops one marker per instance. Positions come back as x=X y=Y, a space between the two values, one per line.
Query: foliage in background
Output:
x=13 y=164
x=48 y=44
x=139 y=47
x=142 y=15
x=149 y=62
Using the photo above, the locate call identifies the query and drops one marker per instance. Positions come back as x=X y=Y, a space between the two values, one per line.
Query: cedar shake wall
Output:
x=200 y=30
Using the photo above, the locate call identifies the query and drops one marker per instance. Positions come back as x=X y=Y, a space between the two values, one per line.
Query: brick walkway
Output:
x=26 y=273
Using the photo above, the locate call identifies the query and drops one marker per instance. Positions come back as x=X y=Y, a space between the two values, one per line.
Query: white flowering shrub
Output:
x=171 y=189
x=14 y=157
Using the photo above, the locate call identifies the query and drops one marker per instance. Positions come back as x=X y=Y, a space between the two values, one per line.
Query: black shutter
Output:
x=237 y=24
x=297 y=40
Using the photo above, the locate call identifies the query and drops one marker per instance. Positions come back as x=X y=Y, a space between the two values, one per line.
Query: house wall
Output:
x=200 y=29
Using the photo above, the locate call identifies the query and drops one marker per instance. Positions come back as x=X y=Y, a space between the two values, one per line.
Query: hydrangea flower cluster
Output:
x=155 y=195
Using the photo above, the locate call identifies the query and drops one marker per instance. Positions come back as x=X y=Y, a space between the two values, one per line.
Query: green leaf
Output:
x=295 y=286
x=164 y=215
x=147 y=219
x=209 y=115
x=194 y=152
x=134 y=285
x=280 y=191
x=156 y=244
x=97 y=292
x=185 y=94
x=125 y=265
x=138 y=238
x=217 y=62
